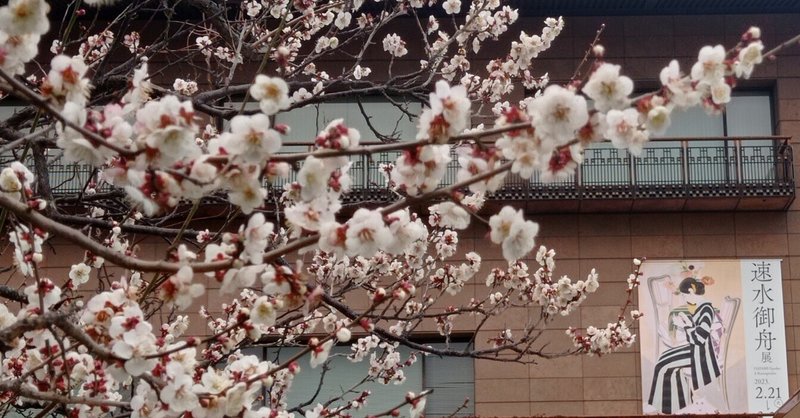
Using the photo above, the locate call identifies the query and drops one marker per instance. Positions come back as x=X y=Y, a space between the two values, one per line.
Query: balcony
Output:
x=672 y=174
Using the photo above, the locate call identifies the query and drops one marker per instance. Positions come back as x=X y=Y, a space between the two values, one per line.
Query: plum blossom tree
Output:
x=74 y=345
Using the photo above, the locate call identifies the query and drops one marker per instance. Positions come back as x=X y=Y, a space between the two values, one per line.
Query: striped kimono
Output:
x=669 y=392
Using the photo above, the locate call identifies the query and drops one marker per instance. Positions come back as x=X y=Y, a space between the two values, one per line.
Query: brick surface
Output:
x=620 y=388
x=555 y=389
x=503 y=409
x=502 y=390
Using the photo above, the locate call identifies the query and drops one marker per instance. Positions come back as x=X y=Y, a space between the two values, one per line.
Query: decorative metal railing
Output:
x=667 y=168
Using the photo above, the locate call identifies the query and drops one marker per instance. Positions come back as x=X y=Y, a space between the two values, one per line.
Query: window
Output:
x=385 y=117
x=451 y=378
x=709 y=161
x=748 y=114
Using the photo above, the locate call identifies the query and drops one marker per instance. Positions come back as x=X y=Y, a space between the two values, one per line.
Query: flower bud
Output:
x=343 y=334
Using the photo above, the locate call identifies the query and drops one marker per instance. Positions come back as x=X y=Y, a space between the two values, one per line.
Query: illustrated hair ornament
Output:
x=707 y=280
x=690 y=272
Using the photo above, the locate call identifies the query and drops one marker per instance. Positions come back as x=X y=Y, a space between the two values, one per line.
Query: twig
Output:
x=44 y=105
x=24 y=212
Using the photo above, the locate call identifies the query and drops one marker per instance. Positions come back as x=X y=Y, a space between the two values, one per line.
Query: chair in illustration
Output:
x=661 y=296
x=727 y=313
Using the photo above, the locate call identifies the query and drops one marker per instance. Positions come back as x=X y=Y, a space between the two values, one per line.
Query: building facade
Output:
x=719 y=187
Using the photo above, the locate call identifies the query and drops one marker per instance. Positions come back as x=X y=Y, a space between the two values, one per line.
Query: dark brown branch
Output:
x=10 y=333
x=135 y=229
x=12 y=294
x=22 y=211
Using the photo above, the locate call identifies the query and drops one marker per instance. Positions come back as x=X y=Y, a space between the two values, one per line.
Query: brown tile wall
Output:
x=611 y=385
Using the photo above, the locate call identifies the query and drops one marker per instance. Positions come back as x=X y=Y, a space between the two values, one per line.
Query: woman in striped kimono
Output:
x=669 y=392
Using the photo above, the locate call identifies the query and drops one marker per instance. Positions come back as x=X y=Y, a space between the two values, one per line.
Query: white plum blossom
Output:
x=66 y=80
x=681 y=92
x=18 y=50
x=623 y=130
x=79 y=273
x=417 y=407
x=312 y=248
x=720 y=93
x=256 y=238
x=473 y=161
x=343 y=334
x=77 y=148
x=367 y=233
x=179 y=290
x=420 y=170
x=319 y=352
x=563 y=164
x=360 y=72
x=135 y=345
x=337 y=135
x=710 y=65
x=167 y=127
x=603 y=341
x=405 y=232
x=451 y=6
x=246 y=191
x=607 y=88
x=139 y=90
x=324 y=42
x=46 y=290
x=332 y=238
x=658 y=120
x=21 y=17
x=313 y=178
x=343 y=20
x=748 y=58
x=433 y=24
x=559 y=113
x=15 y=179
x=449 y=215
x=185 y=87
x=251 y=139
x=394 y=45
x=516 y=235
x=448 y=115
x=178 y=394
x=264 y=311
x=253 y=8
x=272 y=94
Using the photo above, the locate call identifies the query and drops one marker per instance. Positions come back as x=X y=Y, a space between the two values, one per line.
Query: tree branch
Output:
x=22 y=211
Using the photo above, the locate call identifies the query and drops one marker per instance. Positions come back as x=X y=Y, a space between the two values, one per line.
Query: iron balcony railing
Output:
x=667 y=168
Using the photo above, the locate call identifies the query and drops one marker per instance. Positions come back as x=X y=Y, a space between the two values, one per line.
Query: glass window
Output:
x=695 y=123
x=751 y=115
x=383 y=115
x=451 y=378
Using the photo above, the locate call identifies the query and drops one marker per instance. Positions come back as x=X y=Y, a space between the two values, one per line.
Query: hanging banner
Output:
x=712 y=337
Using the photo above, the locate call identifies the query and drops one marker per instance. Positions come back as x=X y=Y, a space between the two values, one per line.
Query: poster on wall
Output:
x=712 y=337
